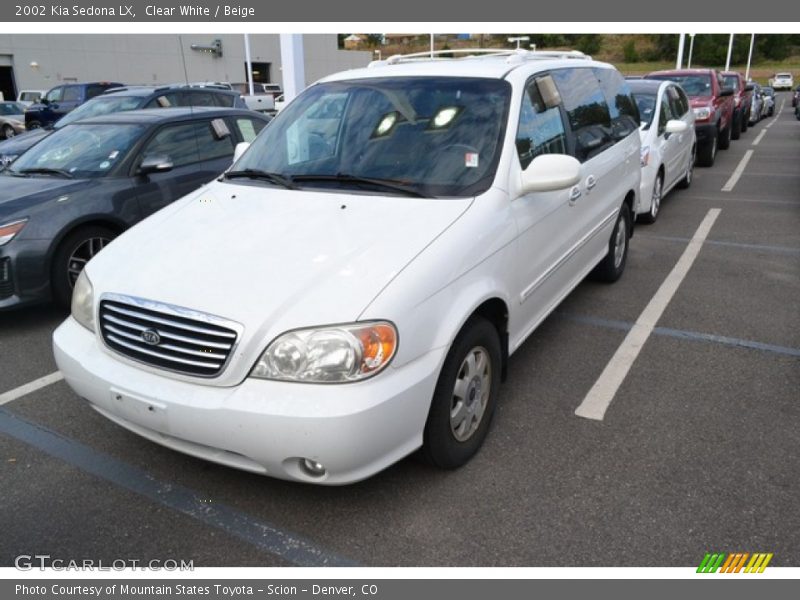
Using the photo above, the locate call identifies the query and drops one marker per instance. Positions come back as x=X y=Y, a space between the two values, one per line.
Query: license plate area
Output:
x=138 y=409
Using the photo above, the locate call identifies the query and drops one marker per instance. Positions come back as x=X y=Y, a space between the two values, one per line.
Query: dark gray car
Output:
x=120 y=99
x=70 y=195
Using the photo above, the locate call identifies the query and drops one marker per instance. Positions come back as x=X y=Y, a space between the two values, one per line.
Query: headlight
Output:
x=702 y=113
x=335 y=354
x=83 y=301
x=9 y=230
x=644 y=156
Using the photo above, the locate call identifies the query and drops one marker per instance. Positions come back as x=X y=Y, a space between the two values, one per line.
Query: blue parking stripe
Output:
x=683 y=334
x=265 y=536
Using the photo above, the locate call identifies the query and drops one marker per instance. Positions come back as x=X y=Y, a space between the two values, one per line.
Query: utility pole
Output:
x=730 y=50
x=679 y=61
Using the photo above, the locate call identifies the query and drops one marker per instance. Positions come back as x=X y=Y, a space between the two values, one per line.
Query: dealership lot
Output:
x=698 y=450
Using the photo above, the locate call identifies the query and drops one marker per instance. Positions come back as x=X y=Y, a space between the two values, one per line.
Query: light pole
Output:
x=730 y=50
x=532 y=47
x=750 y=57
x=378 y=52
x=518 y=39
x=691 y=49
x=679 y=60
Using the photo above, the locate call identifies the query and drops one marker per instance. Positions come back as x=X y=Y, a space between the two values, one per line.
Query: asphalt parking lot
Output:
x=698 y=451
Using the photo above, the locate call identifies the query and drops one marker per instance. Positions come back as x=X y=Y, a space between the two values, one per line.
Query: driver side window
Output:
x=540 y=130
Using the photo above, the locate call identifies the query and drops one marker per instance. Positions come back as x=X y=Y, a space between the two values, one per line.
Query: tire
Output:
x=737 y=127
x=33 y=125
x=612 y=266
x=689 y=176
x=708 y=153
x=8 y=132
x=655 y=201
x=745 y=121
x=72 y=255
x=725 y=138
x=457 y=424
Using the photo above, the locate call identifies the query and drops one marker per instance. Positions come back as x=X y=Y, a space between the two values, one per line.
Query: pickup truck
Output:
x=713 y=107
x=742 y=101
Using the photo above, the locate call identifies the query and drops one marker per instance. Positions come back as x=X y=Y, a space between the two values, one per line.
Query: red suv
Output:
x=713 y=107
x=742 y=98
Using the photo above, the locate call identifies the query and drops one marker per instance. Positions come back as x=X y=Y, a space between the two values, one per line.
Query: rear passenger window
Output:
x=541 y=130
x=200 y=99
x=622 y=109
x=165 y=101
x=95 y=90
x=587 y=111
x=224 y=99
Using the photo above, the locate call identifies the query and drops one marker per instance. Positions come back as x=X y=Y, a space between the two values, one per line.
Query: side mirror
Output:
x=550 y=172
x=240 y=149
x=749 y=87
x=675 y=126
x=726 y=92
x=155 y=164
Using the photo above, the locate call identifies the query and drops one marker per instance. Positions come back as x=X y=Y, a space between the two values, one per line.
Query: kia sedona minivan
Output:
x=351 y=289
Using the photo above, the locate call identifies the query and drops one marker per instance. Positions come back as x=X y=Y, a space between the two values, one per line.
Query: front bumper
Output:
x=23 y=273
x=267 y=427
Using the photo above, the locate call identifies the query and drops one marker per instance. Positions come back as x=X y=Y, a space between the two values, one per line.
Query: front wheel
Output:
x=738 y=127
x=708 y=153
x=33 y=125
x=655 y=201
x=77 y=249
x=725 y=137
x=8 y=132
x=465 y=396
x=611 y=267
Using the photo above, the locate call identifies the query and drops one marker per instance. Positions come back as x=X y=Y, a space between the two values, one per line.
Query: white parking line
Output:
x=731 y=183
x=759 y=137
x=599 y=398
x=30 y=387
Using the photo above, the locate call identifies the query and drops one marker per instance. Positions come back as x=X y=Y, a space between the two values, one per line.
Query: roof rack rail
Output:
x=513 y=55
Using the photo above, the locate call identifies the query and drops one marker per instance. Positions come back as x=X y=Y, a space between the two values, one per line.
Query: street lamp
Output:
x=691 y=47
x=518 y=39
x=378 y=52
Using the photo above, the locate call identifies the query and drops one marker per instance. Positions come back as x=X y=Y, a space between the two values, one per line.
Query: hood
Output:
x=19 y=143
x=272 y=259
x=19 y=196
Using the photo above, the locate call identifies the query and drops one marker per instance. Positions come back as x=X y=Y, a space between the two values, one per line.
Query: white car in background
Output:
x=351 y=289
x=782 y=81
x=668 y=142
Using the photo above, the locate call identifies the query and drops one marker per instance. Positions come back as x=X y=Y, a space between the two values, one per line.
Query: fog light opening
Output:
x=312 y=467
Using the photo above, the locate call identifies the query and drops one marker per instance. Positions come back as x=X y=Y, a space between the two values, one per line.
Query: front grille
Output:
x=176 y=343
x=6 y=284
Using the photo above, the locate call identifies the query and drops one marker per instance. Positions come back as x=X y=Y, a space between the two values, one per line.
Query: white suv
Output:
x=351 y=289
x=782 y=81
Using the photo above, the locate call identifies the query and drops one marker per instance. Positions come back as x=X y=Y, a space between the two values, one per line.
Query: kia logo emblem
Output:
x=151 y=337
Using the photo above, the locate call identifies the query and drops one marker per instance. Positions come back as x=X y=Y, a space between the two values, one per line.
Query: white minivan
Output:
x=351 y=289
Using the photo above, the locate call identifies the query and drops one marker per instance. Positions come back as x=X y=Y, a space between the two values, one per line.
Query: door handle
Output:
x=574 y=194
x=591 y=181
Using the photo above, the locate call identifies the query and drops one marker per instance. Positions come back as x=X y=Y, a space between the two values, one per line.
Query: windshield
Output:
x=11 y=108
x=693 y=85
x=437 y=136
x=100 y=106
x=80 y=150
x=647 y=107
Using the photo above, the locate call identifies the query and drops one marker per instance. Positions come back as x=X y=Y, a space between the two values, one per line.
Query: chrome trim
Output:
x=130 y=336
x=183 y=361
x=178 y=311
x=176 y=325
x=171 y=336
x=526 y=293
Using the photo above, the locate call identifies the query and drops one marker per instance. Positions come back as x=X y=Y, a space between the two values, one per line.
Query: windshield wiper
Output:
x=45 y=171
x=386 y=184
x=259 y=174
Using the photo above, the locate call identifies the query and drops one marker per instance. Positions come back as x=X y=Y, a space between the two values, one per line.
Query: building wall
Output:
x=159 y=59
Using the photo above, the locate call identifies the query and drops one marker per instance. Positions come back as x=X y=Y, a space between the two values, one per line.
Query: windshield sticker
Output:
x=113 y=155
x=471 y=160
x=105 y=164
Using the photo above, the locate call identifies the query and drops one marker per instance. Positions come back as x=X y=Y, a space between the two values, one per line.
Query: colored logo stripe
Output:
x=734 y=562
